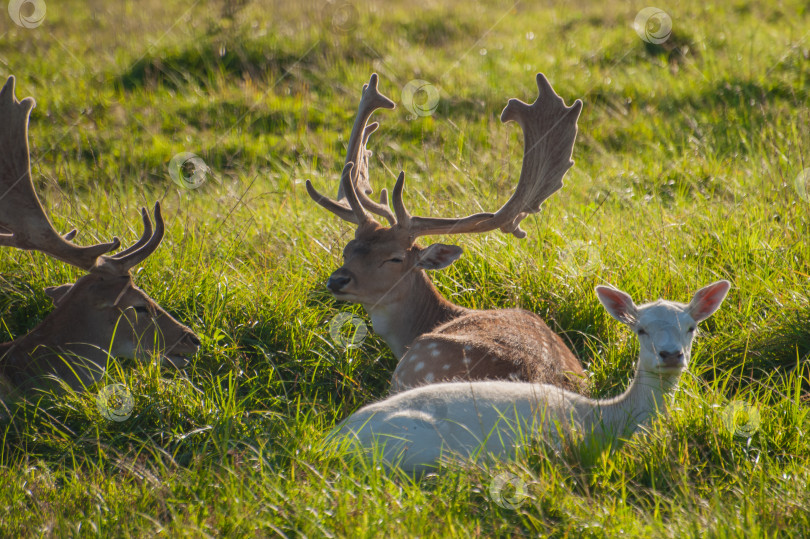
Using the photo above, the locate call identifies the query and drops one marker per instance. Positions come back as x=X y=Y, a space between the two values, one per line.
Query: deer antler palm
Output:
x=549 y=131
x=21 y=212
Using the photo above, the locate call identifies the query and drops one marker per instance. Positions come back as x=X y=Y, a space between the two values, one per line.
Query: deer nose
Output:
x=337 y=282
x=191 y=337
x=672 y=359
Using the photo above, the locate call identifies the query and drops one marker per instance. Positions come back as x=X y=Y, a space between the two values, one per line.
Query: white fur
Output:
x=418 y=428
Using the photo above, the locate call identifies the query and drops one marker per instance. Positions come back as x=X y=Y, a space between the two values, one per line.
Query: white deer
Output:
x=102 y=314
x=384 y=269
x=420 y=428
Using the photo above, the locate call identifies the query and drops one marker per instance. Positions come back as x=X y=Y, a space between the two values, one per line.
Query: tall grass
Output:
x=686 y=166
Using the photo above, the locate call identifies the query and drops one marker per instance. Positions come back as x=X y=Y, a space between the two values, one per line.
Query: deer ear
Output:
x=618 y=304
x=438 y=256
x=707 y=300
x=57 y=293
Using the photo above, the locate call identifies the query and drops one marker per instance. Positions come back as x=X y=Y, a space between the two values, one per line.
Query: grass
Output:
x=685 y=173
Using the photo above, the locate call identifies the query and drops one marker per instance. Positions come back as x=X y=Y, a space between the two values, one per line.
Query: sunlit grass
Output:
x=686 y=162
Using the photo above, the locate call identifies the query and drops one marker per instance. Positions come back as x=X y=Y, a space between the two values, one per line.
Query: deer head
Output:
x=103 y=314
x=665 y=329
x=381 y=262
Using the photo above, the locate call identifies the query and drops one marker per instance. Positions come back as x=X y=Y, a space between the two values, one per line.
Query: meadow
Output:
x=692 y=165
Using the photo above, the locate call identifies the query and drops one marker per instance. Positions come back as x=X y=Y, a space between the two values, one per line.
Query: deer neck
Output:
x=6 y=385
x=6 y=354
x=419 y=311
x=643 y=400
x=42 y=349
x=12 y=359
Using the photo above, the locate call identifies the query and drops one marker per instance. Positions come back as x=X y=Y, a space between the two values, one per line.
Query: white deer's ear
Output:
x=707 y=300
x=57 y=293
x=618 y=304
x=438 y=256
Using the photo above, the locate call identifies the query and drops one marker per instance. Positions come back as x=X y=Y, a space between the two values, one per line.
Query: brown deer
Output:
x=103 y=314
x=383 y=267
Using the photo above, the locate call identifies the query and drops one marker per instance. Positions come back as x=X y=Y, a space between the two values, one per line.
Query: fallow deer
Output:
x=383 y=267
x=420 y=428
x=103 y=314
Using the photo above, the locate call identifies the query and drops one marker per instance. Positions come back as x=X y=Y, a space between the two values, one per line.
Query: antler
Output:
x=549 y=131
x=121 y=263
x=357 y=154
x=21 y=213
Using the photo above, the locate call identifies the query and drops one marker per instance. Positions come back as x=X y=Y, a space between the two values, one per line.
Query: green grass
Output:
x=685 y=166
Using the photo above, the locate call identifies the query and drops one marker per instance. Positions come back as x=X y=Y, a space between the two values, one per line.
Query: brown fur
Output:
x=98 y=313
x=411 y=315
x=509 y=344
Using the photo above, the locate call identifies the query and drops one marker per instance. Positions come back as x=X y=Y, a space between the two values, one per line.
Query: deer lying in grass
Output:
x=103 y=314
x=418 y=428
x=384 y=269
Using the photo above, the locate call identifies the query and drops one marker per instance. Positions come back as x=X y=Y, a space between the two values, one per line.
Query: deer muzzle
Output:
x=338 y=281
x=184 y=348
x=673 y=359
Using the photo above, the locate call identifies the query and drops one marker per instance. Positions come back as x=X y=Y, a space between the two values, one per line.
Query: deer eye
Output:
x=642 y=331
x=140 y=309
x=395 y=260
x=691 y=329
